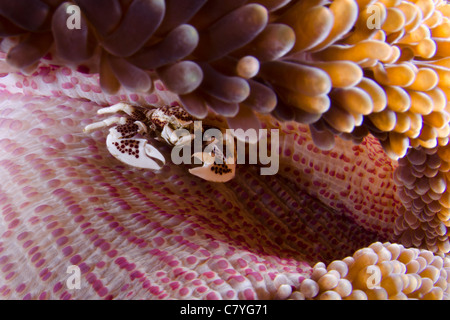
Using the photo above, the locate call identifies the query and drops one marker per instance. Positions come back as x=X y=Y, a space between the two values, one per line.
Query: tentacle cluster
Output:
x=346 y=67
x=422 y=177
x=379 y=272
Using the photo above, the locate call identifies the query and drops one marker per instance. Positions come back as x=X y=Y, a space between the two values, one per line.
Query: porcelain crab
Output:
x=128 y=139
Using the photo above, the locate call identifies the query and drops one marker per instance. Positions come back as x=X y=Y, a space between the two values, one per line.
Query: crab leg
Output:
x=105 y=123
x=172 y=137
x=128 y=109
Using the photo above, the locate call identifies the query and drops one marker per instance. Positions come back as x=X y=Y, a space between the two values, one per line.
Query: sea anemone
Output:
x=316 y=70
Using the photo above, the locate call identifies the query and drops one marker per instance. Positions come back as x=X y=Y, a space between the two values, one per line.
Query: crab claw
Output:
x=212 y=171
x=135 y=152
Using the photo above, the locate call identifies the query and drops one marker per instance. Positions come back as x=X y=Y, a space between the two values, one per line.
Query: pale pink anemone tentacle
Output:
x=138 y=234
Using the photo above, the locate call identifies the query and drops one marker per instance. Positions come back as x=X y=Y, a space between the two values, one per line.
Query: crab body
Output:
x=128 y=140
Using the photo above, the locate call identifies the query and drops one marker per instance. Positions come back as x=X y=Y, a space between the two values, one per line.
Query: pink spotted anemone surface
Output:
x=358 y=189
